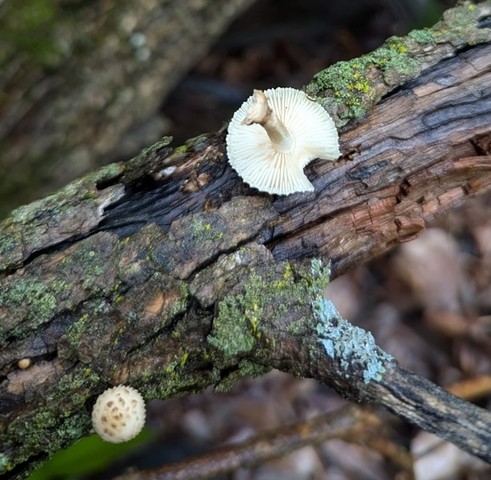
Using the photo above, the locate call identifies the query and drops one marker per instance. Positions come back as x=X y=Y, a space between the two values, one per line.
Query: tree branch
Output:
x=349 y=424
x=170 y=274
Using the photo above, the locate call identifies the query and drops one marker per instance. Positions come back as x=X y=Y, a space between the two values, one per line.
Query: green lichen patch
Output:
x=349 y=89
x=235 y=328
x=105 y=335
x=208 y=284
x=73 y=194
x=198 y=238
x=63 y=419
x=272 y=294
x=29 y=299
x=91 y=262
x=11 y=252
x=100 y=339
x=75 y=208
x=51 y=285
x=176 y=371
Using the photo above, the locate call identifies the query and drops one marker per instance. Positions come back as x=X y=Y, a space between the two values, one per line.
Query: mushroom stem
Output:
x=260 y=112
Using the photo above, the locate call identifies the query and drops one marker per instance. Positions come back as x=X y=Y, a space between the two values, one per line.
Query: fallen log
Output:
x=168 y=273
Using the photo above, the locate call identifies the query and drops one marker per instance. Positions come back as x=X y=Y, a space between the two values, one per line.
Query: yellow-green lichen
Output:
x=63 y=418
x=33 y=293
x=181 y=150
x=184 y=359
x=350 y=89
x=203 y=231
x=30 y=299
x=237 y=326
x=354 y=86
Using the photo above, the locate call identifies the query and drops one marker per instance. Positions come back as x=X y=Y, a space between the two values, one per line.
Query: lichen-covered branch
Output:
x=168 y=273
x=303 y=333
x=350 y=89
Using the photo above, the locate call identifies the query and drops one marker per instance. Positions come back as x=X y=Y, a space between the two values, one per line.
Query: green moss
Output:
x=354 y=86
x=425 y=35
x=350 y=89
x=237 y=327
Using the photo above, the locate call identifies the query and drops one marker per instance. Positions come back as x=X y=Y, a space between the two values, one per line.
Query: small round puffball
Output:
x=119 y=414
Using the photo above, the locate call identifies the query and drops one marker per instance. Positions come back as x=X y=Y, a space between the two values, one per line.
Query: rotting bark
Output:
x=168 y=273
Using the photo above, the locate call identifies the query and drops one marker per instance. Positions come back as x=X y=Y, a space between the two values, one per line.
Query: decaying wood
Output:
x=168 y=273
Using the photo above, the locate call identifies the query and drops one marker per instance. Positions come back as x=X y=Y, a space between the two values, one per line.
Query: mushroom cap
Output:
x=119 y=414
x=255 y=158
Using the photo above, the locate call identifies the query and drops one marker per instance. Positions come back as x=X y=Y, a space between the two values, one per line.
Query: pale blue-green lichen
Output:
x=351 y=347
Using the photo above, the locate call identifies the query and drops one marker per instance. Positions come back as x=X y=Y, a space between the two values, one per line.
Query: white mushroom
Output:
x=119 y=414
x=275 y=134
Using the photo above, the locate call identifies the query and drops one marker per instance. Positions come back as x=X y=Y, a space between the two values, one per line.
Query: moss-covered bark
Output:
x=349 y=89
x=170 y=274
